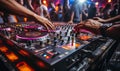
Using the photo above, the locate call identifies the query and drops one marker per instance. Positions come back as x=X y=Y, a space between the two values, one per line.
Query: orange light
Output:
x=47 y=57
x=71 y=46
x=56 y=8
x=23 y=53
x=11 y=56
x=109 y=1
x=44 y=2
x=41 y=64
x=3 y=49
x=23 y=66
x=85 y=37
x=18 y=25
x=25 y=19
x=77 y=45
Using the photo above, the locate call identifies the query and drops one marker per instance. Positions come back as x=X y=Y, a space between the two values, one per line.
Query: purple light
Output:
x=31 y=38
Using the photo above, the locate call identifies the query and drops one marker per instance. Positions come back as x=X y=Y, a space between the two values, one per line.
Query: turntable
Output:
x=32 y=36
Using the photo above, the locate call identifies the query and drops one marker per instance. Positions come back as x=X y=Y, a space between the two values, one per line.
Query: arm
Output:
x=16 y=8
x=30 y=3
x=107 y=20
x=71 y=18
x=113 y=18
x=81 y=17
x=46 y=12
x=86 y=14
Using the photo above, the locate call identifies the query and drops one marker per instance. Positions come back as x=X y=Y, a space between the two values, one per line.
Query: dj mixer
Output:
x=113 y=63
x=29 y=47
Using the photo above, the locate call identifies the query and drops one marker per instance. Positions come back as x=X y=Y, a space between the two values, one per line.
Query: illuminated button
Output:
x=44 y=55
x=23 y=66
x=11 y=56
x=47 y=57
x=3 y=49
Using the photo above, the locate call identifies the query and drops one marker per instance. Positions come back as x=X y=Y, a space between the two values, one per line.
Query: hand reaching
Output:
x=90 y=25
x=45 y=22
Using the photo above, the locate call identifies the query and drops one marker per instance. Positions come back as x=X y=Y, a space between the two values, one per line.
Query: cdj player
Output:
x=28 y=47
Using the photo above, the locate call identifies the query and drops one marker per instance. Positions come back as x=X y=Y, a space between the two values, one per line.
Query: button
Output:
x=47 y=57
x=44 y=55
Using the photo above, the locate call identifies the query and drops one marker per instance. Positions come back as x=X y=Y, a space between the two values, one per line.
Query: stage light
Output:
x=97 y=3
x=82 y=1
x=44 y=2
x=109 y=1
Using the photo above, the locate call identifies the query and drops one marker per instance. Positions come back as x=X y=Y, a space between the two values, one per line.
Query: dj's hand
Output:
x=90 y=25
x=99 y=19
x=45 y=22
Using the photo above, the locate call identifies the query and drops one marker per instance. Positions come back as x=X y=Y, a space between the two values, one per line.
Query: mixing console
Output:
x=114 y=62
x=59 y=50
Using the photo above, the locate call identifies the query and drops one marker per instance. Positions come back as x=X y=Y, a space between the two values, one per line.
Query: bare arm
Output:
x=107 y=20
x=30 y=3
x=46 y=12
x=113 y=18
x=16 y=8
x=81 y=17
x=71 y=18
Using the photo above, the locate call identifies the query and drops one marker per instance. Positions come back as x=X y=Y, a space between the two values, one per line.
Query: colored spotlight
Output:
x=82 y=1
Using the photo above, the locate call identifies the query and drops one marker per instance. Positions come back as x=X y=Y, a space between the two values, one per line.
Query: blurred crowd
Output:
x=75 y=13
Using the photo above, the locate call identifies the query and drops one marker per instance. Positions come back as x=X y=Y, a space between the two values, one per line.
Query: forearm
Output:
x=72 y=16
x=47 y=14
x=30 y=3
x=112 y=19
x=16 y=8
x=81 y=17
